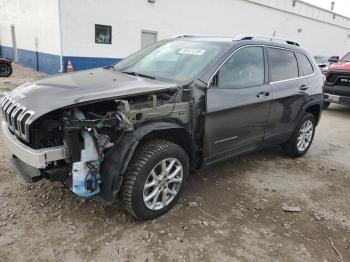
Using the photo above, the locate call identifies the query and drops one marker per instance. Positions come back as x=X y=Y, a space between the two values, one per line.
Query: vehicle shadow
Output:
x=209 y=181
x=206 y=187
x=339 y=109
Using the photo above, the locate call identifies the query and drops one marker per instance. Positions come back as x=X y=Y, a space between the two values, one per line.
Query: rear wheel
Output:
x=302 y=137
x=155 y=179
x=5 y=70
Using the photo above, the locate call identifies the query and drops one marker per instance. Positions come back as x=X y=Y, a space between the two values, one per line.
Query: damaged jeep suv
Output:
x=136 y=129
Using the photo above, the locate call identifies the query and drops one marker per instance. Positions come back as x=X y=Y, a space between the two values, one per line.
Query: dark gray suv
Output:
x=136 y=129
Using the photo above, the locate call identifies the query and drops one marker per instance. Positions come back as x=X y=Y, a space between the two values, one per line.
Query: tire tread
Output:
x=290 y=147
x=141 y=156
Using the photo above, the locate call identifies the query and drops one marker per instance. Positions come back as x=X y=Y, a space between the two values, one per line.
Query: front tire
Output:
x=155 y=179
x=302 y=138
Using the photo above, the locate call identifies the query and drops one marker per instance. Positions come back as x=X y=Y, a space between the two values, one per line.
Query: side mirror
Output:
x=333 y=59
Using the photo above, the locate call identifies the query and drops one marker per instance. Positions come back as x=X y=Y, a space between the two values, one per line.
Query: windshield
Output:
x=321 y=59
x=176 y=60
x=346 y=58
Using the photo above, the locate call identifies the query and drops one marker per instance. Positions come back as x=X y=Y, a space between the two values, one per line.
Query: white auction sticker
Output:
x=192 y=51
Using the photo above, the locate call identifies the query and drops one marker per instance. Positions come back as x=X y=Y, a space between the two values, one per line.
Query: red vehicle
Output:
x=337 y=85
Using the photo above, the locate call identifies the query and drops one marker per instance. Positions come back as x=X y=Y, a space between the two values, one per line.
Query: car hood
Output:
x=46 y=95
x=340 y=66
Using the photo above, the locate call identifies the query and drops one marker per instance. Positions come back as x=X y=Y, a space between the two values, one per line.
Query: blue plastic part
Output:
x=79 y=188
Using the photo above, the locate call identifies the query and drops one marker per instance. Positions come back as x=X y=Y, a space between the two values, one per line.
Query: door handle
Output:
x=263 y=94
x=304 y=87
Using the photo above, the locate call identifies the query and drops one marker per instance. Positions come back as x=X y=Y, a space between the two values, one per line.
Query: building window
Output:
x=103 y=34
x=148 y=38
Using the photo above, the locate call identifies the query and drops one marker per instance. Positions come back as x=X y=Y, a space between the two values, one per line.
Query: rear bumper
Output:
x=343 y=100
x=36 y=158
x=338 y=90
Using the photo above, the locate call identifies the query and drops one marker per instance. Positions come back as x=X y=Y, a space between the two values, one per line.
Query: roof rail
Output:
x=265 y=37
x=183 y=36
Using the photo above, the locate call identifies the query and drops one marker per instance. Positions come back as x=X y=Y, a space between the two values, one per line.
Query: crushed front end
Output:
x=70 y=145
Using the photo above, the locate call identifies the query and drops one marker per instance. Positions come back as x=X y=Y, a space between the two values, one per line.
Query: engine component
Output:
x=152 y=109
x=103 y=142
x=57 y=173
x=86 y=177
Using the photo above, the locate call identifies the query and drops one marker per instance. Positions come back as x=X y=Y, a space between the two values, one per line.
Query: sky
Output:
x=341 y=6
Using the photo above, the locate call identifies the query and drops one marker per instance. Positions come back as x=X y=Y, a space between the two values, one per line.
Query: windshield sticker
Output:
x=191 y=51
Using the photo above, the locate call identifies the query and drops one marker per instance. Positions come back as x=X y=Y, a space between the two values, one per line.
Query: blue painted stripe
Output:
x=6 y=52
x=82 y=63
x=50 y=64
x=47 y=63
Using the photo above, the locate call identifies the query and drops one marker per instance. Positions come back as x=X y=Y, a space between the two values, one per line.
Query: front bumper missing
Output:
x=39 y=158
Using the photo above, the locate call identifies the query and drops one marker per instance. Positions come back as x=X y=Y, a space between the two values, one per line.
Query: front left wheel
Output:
x=155 y=179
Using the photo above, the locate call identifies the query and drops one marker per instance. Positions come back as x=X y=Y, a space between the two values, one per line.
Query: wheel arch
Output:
x=315 y=110
x=178 y=136
x=117 y=160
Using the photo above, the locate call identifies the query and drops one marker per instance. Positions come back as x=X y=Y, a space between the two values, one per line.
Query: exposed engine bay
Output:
x=90 y=131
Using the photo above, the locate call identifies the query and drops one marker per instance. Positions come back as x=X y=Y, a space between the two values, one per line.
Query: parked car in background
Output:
x=322 y=61
x=5 y=67
x=337 y=85
x=138 y=128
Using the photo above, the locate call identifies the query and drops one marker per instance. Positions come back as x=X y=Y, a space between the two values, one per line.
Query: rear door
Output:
x=238 y=105
x=289 y=89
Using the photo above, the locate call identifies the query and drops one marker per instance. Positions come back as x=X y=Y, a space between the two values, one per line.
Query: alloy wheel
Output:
x=163 y=184
x=305 y=135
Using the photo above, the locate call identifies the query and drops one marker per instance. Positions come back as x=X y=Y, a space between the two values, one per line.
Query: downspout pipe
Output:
x=60 y=27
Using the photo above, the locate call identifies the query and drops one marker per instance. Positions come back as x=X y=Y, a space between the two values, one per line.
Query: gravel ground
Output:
x=20 y=75
x=230 y=212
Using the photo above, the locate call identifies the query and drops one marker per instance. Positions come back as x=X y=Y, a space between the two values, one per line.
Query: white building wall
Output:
x=319 y=30
x=35 y=21
x=320 y=33
x=32 y=18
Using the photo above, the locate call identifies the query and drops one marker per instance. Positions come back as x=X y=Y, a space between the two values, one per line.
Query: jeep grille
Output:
x=17 y=117
x=338 y=78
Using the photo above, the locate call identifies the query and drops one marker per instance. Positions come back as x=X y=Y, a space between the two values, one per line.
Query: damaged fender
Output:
x=117 y=160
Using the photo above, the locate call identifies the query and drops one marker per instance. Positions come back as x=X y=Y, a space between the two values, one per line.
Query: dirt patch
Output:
x=19 y=76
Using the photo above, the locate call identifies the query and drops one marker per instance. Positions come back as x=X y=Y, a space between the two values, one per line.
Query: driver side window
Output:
x=245 y=68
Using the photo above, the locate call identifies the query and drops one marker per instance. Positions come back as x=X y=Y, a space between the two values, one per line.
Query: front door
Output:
x=238 y=105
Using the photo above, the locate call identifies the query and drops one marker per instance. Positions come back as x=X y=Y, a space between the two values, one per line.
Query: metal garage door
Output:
x=148 y=38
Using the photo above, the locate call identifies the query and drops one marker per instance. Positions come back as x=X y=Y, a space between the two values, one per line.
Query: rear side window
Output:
x=283 y=64
x=305 y=66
